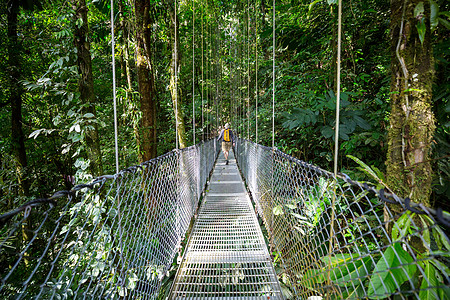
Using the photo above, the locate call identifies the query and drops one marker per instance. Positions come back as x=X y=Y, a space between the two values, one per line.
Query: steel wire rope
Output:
x=218 y=71
x=203 y=117
x=248 y=69
x=241 y=80
x=217 y=75
x=273 y=77
x=113 y=63
x=338 y=88
x=116 y=142
x=207 y=76
x=256 y=72
x=273 y=126
x=179 y=155
x=175 y=53
x=238 y=80
x=210 y=74
x=336 y=139
x=193 y=72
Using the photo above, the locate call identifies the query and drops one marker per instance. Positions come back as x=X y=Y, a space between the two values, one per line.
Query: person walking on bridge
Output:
x=227 y=138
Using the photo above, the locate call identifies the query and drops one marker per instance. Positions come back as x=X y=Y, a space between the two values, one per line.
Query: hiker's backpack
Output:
x=226 y=135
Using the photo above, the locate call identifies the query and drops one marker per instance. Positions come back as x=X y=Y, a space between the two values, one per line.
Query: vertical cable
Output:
x=116 y=142
x=210 y=79
x=336 y=140
x=273 y=124
x=176 y=77
x=208 y=64
x=256 y=72
x=248 y=69
x=273 y=75
x=193 y=72
x=218 y=76
x=203 y=118
x=338 y=89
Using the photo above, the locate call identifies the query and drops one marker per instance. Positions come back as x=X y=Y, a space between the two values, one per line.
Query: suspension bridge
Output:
x=121 y=235
x=187 y=226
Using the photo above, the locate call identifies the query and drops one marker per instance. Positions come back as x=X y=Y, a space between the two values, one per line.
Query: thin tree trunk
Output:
x=126 y=71
x=86 y=84
x=15 y=98
x=17 y=135
x=175 y=89
x=412 y=121
x=147 y=131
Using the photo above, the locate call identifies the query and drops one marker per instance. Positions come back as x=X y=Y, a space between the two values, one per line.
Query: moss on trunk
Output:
x=412 y=122
x=146 y=137
x=175 y=89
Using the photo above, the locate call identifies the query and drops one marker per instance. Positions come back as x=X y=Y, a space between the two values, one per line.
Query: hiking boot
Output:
x=226 y=162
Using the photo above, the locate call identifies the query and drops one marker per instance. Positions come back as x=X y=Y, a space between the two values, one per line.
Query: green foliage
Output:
x=391 y=271
x=304 y=97
x=372 y=172
x=350 y=119
x=383 y=274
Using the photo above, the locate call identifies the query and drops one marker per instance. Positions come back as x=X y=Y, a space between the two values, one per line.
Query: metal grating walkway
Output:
x=226 y=257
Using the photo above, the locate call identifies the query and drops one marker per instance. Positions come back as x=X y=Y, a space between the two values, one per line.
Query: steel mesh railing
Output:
x=338 y=238
x=113 y=238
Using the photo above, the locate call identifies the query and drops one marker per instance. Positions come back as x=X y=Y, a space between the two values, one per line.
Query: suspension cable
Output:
x=116 y=142
x=338 y=88
x=273 y=75
x=248 y=69
x=336 y=139
x=218 y=74
x=203 y=118
x=176 y=76
x=273 y=123
x=210 y=78
x=193 y=72
x=256 y=73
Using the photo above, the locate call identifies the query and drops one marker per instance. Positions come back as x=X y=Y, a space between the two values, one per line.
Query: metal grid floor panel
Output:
x=226 y=257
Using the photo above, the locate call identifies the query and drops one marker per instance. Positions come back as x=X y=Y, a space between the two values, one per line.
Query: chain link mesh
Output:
x=338 y=238
x=114 y=238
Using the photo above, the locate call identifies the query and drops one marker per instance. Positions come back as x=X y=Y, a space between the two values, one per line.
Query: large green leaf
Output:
x=338 y=259
x=327 y=131
x=444 y=22
x=362 y=123
x=312 y=278
x=357 y=293
x=434 y=8
x=421 y=29
x=368 y=170
x=348 y=269
x=401 y=227
x=391 y=271
x=356 y=272
x=429 y=282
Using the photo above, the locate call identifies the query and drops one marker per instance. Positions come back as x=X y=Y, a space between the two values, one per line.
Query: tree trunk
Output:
x=175 y=89
x=147 y=131
x=126 y=71
x=17 y=135
x=412 y=122
x=15 y=98
x=86 y=84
